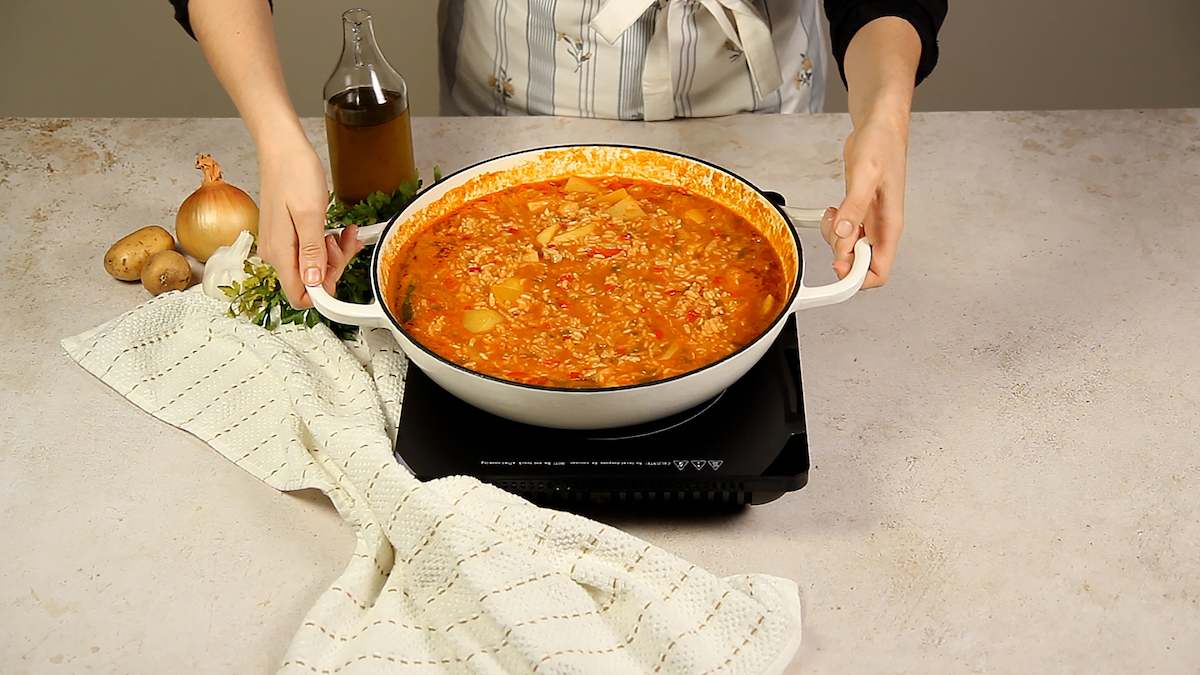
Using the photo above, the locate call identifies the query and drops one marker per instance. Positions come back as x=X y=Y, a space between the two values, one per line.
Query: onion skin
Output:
x=213 y=215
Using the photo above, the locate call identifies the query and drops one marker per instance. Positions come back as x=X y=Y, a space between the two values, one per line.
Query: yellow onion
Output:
x=213 y=215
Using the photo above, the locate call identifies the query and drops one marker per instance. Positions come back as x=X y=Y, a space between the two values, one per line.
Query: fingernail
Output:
x=844 y=228
x=828 y=213
x=312 y=276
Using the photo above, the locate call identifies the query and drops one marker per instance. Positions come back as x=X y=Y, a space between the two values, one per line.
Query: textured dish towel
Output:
x=449 y=575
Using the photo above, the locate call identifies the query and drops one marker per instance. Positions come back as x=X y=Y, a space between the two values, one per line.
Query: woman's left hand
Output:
x=875 y=157
x=881 y=63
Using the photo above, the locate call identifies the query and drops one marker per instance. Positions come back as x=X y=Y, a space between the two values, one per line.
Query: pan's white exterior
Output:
x=566 y=408
x=598 y=409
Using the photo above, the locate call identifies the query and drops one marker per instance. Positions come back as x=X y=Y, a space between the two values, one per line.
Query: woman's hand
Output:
x=239 y=42
x=875 y=157
x=291 y=222
x=881 y=64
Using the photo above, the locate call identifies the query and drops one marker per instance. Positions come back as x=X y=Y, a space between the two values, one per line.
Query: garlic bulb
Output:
x=227 y=265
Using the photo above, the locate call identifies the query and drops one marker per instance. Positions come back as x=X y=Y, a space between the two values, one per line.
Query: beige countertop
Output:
x=1005 y=439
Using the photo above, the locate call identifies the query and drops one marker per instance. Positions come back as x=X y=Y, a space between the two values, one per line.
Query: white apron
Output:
x=630 y=59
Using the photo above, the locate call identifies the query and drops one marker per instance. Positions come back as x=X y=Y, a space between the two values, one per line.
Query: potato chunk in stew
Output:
x=633 y=282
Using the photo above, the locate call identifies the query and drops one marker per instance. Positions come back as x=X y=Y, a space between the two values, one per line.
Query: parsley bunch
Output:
x=260 y=298
x=377 y=207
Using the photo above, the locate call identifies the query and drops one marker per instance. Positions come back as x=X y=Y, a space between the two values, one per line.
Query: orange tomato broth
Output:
x=586 y=283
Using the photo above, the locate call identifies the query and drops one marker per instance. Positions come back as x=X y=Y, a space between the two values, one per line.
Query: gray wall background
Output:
x=126 y=58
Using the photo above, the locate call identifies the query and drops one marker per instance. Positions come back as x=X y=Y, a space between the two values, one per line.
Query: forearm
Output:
x=238 y=41
x=881 y=65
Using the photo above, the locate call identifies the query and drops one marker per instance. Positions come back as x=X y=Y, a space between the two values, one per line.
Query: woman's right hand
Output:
x=239 y=42
x=291 y=221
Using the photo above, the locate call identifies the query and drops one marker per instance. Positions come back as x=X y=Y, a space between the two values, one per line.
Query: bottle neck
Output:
x=363 y=65
x=359 y=48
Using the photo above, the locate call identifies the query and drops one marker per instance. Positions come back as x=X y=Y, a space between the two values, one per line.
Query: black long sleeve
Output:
x=181 y=14
x=846 y=17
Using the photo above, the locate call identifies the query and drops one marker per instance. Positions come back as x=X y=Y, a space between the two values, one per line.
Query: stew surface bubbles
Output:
x=586 y=283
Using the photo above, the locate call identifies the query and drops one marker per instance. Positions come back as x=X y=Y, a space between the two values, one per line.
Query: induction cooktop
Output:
x=748 y=445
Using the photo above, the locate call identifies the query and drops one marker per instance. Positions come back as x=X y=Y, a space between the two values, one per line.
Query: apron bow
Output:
x=748 y=31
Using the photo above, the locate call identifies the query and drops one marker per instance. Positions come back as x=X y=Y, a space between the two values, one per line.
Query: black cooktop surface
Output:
x=748 y=445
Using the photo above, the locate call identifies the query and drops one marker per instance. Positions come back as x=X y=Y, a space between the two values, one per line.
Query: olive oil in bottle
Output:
x=366 y=117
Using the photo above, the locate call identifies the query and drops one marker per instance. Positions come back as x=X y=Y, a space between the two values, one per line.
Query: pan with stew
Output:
x=588 y=287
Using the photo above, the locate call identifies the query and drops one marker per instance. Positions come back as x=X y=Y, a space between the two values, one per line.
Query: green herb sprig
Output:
x=260 y=298
x=377 y=207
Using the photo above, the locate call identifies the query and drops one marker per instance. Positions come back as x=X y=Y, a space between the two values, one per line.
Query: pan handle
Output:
x=840 y=290
x=806 y=218
x=367 y=234
x=352 y=314
x=368 y=316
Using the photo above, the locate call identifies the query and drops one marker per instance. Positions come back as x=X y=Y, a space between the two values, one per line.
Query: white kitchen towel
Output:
x=450 y=575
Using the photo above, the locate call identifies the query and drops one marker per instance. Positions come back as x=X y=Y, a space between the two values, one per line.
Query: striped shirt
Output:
x=631 y=59
x=649 y=59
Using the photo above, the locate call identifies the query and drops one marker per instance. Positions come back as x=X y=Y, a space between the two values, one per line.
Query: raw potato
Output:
x=166 y=271
x=125 y=259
